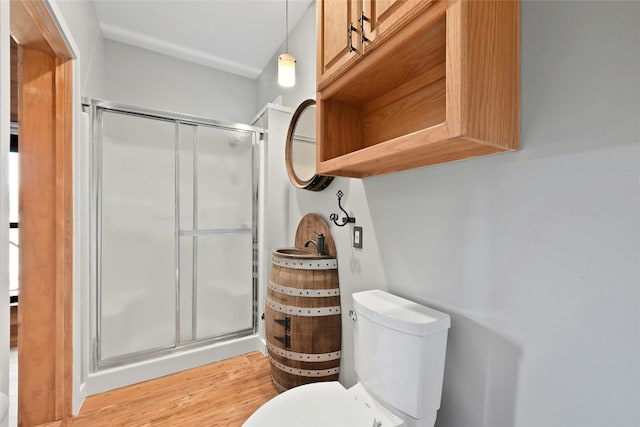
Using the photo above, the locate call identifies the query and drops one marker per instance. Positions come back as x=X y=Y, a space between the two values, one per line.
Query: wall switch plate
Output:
x=357 y=237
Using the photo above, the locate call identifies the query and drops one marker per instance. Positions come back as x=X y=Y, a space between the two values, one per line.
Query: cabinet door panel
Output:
x=386 y=17
x=335 y=17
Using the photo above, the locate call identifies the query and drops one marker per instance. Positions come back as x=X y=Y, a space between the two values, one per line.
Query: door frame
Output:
x=46 y=83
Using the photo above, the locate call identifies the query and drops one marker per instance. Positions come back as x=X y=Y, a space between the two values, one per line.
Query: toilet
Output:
x=399 y=359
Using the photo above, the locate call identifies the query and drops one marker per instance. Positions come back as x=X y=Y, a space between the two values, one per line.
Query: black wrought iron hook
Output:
x=345 y=220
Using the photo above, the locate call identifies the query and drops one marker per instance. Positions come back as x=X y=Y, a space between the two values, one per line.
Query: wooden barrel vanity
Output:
x=303 y=326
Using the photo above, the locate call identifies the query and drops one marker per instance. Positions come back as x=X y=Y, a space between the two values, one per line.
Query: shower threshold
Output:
x=168 y=362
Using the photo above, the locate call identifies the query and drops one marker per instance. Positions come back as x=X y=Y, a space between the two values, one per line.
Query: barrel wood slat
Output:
x=306 y=347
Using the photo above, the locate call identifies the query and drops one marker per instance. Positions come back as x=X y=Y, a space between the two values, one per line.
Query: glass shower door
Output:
x=176 y=230
x=217 y=230
x=136 y=300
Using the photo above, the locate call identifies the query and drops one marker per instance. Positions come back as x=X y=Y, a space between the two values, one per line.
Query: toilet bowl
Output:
x=321 y=405
x=399 y=361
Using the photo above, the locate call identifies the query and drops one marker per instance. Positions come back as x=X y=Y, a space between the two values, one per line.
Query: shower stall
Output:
x=175 y=249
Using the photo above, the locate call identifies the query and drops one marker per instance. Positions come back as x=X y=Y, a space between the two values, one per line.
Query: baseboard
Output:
x=263 y=346
x=78 y=398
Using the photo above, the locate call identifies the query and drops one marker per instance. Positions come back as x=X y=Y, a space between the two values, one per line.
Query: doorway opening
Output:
x=45 y=122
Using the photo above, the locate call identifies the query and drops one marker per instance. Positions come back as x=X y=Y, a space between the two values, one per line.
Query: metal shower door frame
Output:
x=96 y=107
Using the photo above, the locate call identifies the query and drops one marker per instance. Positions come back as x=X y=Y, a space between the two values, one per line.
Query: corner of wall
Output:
x=4 y=196
x=78 y=23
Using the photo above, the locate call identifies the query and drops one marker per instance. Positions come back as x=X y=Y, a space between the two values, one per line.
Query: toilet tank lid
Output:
x=400 y=314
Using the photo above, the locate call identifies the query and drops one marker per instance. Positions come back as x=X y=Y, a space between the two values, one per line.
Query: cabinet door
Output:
x=386 y=17
x=336 y=49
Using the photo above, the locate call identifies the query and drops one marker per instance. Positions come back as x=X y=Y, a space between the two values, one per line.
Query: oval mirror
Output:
x=300 y=151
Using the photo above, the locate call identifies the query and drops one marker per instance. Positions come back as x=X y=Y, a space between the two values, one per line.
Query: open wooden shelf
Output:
x=445 y=87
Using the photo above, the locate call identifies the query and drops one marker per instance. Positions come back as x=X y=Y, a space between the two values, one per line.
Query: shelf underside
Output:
x=420 y=148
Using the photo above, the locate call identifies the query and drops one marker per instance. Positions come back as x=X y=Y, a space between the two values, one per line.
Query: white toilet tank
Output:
x=400 y=351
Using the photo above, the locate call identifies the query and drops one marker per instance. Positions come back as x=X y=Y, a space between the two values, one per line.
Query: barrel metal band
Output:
x=312 y=264
x=303 y=357
x=304 y=292
x=303 y=311
x=278 y=386
x=304 y=372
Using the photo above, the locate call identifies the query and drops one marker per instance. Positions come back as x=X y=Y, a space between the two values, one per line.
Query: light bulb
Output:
x=286 y=70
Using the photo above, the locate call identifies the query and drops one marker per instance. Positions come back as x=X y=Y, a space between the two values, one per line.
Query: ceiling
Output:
x=237 y=36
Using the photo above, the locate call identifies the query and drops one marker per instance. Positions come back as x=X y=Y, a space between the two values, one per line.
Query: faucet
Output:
x=318 y=243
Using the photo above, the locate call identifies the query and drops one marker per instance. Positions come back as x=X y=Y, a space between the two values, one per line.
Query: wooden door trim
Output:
x=64 y=235
x=46 y=261
x=32 y=25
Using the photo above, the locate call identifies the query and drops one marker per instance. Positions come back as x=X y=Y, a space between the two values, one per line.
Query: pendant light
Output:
x=286 y=62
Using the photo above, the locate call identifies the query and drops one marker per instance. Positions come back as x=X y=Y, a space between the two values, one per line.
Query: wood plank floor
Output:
x=222 y=394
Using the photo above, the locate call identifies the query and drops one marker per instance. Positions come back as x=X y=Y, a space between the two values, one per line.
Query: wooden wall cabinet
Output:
x=439 y=81
x=384 y=17
x=338 y=41
x=343 y=31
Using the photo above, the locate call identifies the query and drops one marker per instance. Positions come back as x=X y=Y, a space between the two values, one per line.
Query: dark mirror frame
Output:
x=317 y=182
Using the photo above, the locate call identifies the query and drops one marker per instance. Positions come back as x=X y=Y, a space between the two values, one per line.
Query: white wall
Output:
x=81 y=19
x=273 y=195
x=5 y=79
x=144 y=78
x=535 y=254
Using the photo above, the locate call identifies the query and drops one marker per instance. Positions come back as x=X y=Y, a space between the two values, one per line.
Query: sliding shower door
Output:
x=137 y=303
x=216 y=231
x=175 y=232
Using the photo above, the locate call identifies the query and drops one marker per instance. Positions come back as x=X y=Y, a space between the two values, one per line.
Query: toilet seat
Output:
x=321 y=404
